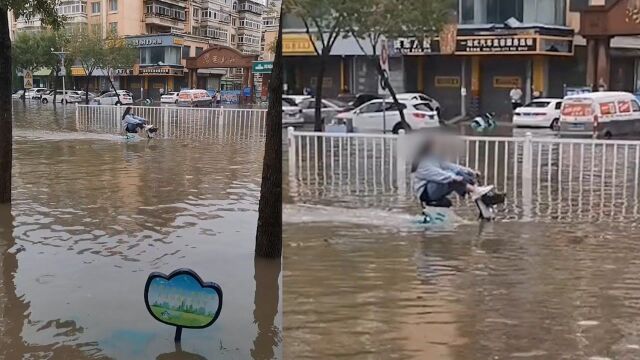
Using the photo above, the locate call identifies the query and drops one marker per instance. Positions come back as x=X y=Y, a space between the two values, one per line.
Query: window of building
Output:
x=95 y=7
x=499 y=11
x=113 y=27
x=196 y=13
x=199 y=51
x=113 y=5
x=161 y=55
x=96 y=28
x=186 y=51
x=467 y=8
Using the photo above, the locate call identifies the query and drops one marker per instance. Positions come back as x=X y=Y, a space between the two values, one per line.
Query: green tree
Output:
x=387 y=19
x=269 y=230
x=325 y=21
x=88 y=50
x=25 y=54
x=118 y=55
x=46 y=9
x=52 y=41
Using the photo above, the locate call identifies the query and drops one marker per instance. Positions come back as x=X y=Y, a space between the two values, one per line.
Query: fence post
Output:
x=117 y=119
x=527 y=176
x=401 y=162
x=77 y=117
x=292 y=152
x=221 y=121
x=165 y=122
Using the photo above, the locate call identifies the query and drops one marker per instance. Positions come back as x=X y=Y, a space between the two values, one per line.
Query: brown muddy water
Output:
x=365 y=281
x=93 y=215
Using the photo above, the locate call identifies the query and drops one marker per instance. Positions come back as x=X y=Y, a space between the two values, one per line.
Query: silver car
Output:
x=329 y=109
x=291 y=113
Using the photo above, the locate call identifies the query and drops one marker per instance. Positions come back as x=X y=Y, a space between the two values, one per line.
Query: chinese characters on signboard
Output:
x=412 y=46
x=502 y=44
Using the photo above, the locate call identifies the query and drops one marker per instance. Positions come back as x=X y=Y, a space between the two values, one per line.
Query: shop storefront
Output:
x=486 y=63
x=160 y=67
x=347 y=69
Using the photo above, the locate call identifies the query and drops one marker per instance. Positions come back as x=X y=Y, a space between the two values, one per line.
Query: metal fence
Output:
x=175 y=122
x=551 y=176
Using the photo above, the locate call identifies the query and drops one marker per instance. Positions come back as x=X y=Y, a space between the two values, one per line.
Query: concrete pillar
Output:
x=591 y=62
x=603 y=67
x=342 y=72
x=420 y=74
x=540 y=71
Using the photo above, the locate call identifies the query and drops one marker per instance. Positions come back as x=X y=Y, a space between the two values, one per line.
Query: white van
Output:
x=603 y=114
x=195 y=98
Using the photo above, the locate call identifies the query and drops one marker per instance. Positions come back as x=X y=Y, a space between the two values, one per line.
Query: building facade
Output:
x=536 y=45
x=167 y=33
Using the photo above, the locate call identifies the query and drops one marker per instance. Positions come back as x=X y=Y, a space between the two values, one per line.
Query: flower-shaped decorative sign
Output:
x=182 y=300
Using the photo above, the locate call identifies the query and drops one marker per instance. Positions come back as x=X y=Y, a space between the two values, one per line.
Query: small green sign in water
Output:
x=182 y=300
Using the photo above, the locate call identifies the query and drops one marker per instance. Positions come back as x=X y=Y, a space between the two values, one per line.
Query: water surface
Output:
x=93 y=215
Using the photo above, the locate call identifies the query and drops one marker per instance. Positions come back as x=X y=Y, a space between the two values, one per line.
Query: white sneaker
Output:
x=480 y=191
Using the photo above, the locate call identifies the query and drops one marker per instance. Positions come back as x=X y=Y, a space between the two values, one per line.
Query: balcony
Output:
x=165 y=16
x=251 y=7
x=24 y=24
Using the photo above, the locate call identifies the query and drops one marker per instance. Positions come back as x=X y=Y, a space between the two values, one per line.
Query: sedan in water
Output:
x=383 y=116
x=170 y=98
x=291 y=113
x=540 y=113
x=111 y=98
x=328 y=109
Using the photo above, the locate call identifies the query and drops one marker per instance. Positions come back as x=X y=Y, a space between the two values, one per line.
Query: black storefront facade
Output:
x=486 y=62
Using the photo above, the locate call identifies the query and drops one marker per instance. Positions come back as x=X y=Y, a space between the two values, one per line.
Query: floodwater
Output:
x=364 y=280
x=93 y=215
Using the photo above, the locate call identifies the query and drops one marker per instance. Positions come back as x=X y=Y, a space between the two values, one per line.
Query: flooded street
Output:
x=93 y=215
x=365 y=280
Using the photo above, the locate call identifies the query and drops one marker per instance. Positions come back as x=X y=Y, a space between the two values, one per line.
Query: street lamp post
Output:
x=61 y=55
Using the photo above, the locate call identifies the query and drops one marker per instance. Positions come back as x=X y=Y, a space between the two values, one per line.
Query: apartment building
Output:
x=167 y=32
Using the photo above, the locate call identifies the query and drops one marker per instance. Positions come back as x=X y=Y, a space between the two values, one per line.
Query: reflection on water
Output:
x=364 y=281
x=92 y=217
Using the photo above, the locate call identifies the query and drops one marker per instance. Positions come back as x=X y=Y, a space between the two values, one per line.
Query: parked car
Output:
x=603 y=114
x=170 y=98
x=369 y=117
x=82 y=95
x=35 y=93
x=110 y=98
x=17 y=94
x=329 y=109
x=418 y=97
x=296 y=98
x=194 y=98
x=291 y=113
x=71 y=97
x=544 y=113
x=360 y=100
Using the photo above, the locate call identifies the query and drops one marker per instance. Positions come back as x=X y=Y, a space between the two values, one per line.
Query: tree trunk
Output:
x=269 y=231
x=56 y=71
x=114 y=88
x=387 y=84
x=86 y=90
x=318 y=95
x=6 y=126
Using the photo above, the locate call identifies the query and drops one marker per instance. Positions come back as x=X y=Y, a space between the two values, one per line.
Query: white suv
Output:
x=111 y=98
x=370 y=117
x=72 y=96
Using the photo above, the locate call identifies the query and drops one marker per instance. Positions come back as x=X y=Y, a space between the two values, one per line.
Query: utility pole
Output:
x=61 y=55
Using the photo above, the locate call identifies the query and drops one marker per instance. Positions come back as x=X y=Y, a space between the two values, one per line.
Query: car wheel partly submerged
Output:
x=118 y=103
x=397 y=127
x=555 y=125
x=45 y=101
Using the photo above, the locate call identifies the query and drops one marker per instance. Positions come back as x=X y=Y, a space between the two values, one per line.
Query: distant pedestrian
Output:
x=516 y=97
